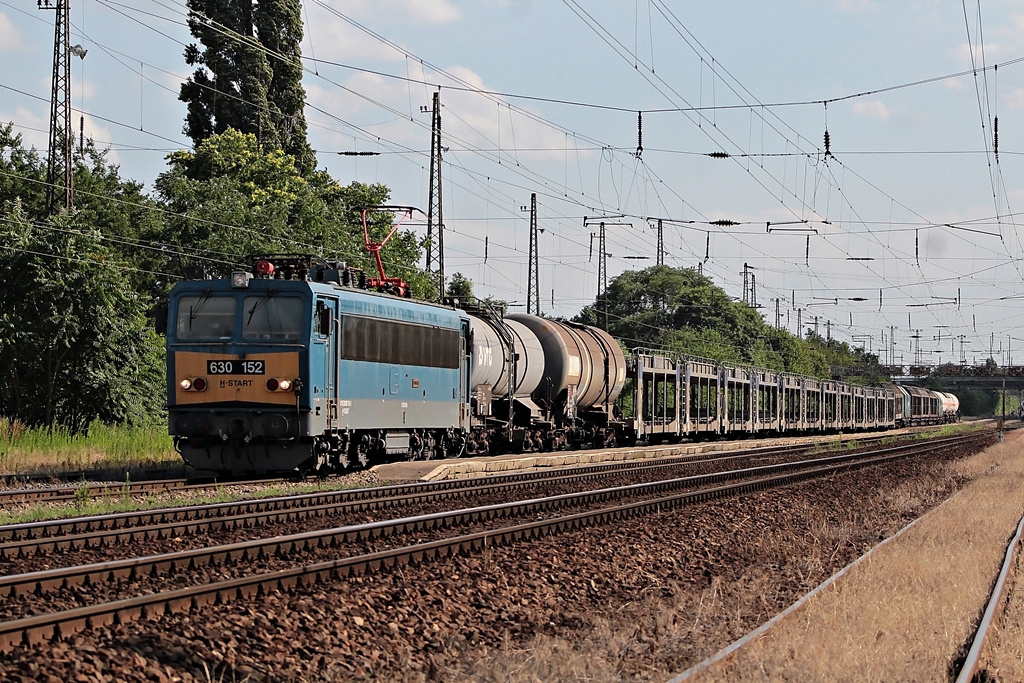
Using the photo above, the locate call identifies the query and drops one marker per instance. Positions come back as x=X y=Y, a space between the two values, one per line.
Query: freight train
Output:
x=299 y=366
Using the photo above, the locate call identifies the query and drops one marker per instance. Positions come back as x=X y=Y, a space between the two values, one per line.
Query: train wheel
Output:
x=363 y=454
x=440 y=449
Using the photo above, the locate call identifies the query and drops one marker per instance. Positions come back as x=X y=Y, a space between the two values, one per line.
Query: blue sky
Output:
x=543 y=97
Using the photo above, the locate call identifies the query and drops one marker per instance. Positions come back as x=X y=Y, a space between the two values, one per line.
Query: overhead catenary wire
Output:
x=717 y=65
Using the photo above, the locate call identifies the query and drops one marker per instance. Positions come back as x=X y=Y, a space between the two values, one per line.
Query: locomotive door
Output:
x=323 y=366
x=465 y=368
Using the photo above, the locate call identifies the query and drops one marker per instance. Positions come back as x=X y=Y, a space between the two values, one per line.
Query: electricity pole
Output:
x=661 y=246
x=59 y=168
x=533 y=281
x=602 y=261
x=435 y=199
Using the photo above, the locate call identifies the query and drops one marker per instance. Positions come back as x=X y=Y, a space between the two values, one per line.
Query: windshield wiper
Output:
x=193 y=311
x=252 y=311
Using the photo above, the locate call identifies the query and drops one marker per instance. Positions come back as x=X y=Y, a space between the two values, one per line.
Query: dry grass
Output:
x=907 y=612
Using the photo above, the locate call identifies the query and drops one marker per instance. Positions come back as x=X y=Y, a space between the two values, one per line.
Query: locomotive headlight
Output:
x=240 y=279
x=274 y=384
x=197 y=384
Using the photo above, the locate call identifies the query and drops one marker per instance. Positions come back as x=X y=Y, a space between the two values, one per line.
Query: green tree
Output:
x=460 y=287
x=23 y=176
x=231 y=198
x=75 y=343
x=249 y=74
x=279 y=28
x=683 y=311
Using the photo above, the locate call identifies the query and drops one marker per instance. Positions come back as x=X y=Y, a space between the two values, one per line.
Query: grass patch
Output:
x=32 y=450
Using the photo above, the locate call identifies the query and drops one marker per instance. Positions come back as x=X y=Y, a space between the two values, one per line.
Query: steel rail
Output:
x=43 y=581
x=70 y=491
x=973 y=659
x=81 y=525
x=250 y=514
x=35 y=629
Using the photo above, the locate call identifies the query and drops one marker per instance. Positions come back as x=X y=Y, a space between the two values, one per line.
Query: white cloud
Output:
x=983 y=54
x=858 y=6
x=1013 y=98
x=34 y=129
x=432 y=12
x=518 y=6
x=334 y=39
x=10 y=39
x=101 y=135
x=390 y=110
x=83 y=88
x=872 y=109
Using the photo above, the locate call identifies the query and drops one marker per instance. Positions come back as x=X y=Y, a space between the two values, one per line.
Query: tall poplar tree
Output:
x=249 y=74
x=279 y=27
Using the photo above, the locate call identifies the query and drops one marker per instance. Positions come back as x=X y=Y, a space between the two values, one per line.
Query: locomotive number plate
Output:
x=235 y=367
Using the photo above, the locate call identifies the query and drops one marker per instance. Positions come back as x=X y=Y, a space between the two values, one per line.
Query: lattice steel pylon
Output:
x=59 y=168
x=533 y=281
x=602 y=259
x=661 y=246
x=434 y=212
x=602 y=276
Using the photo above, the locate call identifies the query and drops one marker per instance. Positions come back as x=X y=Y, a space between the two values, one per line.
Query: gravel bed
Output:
x=636 y=601
x=15 y=607
x=140 y=548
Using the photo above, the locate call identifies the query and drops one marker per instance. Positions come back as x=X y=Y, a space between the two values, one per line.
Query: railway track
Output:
x=369 y=545
x=70 y=492
x=27 y=539
x=970 y=669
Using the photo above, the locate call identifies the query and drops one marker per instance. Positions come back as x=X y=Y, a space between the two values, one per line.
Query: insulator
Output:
x=828 y=144
x=995 y=137
x=639 y=134
x=719 y=155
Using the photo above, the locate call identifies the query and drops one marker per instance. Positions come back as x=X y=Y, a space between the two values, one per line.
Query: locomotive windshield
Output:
x=212 y=318
x=274 y=318
x=205 y=317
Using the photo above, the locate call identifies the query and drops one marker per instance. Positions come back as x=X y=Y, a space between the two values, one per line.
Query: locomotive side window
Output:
x=205 y=317
x=276 y=318
x=385 y=341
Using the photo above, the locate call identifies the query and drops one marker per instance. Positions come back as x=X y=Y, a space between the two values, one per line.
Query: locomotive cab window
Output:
x=273 y=318
x=205 y=317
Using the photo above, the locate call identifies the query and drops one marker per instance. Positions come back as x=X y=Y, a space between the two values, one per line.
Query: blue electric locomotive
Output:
x=299 y=369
